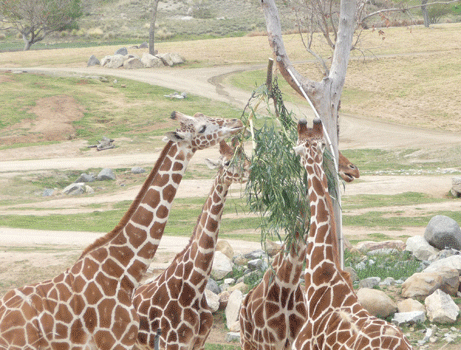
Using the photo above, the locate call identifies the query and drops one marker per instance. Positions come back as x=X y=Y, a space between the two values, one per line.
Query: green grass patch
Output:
x=398 y=265
x=181 y=221
x=405 y=162
x=394 y=220
x=377 y=201
x=126 y=108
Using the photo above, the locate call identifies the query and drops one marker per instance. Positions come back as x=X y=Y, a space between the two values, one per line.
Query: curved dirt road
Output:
x=356 y=133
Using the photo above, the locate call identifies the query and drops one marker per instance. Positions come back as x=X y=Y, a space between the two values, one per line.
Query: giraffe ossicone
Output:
x=175 y=301
x=89 y=306
x=334 y=319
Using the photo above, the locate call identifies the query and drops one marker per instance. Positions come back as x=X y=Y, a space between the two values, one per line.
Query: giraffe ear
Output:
x=174 y=136
x=298 y=149
x=212 y=164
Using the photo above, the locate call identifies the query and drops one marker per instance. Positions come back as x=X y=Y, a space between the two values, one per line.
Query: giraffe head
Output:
x=311 y=142
x=233 y=163
x=201 y=131
x=347 y=170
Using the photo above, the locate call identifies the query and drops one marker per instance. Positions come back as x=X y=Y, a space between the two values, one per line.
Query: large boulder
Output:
x=151 y=61
x=443 y=232
x=451 y=262
x=133 y=63
x=422 y=284
x=376 y=302
x=420 y=248
x=441 y=308
x=115 y=61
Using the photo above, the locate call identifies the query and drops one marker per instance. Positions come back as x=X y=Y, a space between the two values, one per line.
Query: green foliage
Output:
x=437 y=11
x=277 y=186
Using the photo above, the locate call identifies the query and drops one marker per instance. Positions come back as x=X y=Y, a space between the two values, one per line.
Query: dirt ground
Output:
x=356 y=132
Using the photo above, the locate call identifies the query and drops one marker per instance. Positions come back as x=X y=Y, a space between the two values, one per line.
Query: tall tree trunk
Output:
x=425 y=13
x=152 y=27
x=326 y=94
x=27 y=43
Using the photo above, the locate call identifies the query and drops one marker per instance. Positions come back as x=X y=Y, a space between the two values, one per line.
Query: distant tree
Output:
x=152 y=27
x=35 y=19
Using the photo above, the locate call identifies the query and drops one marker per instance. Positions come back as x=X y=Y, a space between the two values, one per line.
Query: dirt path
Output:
x=356 y=133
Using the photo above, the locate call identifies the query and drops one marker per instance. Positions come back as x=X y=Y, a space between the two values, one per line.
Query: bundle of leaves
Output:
x=277 y=187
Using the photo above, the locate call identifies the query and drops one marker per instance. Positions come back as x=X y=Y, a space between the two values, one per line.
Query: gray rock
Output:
x=256 y=254
x=213 y=286
x=115 y=61
x=420 y=248
x=441 y=308
x=352 y=273
x=452 y=262
x=106 y=174
x=425 y=283
x=456 y=186
x=133 y=63
x=74 y=189
x=47 y=192
x=122 y=51
x=369 y=282
x=144 y=45
x=166 y=59
x=137 y=170
x=443 y=232
x=257 y=264
x=176 y=58
x=232 y=337
x=151 y=61
x=85 y=178
x=93 y=61
x=408 y=318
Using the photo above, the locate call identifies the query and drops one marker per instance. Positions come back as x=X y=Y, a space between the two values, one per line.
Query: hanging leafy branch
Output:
x=277 y=187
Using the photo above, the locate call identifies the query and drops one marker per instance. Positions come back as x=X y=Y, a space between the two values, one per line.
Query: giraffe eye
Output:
x=202 y=129
x=227 y=163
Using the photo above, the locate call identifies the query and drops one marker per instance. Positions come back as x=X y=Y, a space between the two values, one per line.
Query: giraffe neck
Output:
x=288 y=266
x=134 y=241
x=322 y=246
x=201 y=247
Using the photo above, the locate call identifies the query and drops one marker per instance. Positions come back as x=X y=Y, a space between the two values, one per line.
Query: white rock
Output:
x=212 y=300
x=409 y=317
x=222 y=265
x=441 y=308
x=233 y=308
x=420 y=248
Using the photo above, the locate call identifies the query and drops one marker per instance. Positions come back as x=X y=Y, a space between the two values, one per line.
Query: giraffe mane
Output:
x=107 y=237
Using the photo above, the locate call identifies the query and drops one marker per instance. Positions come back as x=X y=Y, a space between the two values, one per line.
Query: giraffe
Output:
x=335 y=319
x=273 y=312
x=347 y=170
x=89 y=306
x=175 y=301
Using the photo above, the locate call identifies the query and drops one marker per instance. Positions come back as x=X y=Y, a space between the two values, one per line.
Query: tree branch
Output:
x=396 y=9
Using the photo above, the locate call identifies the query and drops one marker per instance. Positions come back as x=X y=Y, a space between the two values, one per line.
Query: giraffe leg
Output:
x=206 y=322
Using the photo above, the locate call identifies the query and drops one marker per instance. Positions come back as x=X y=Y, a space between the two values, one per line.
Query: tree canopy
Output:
x=35 y=19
